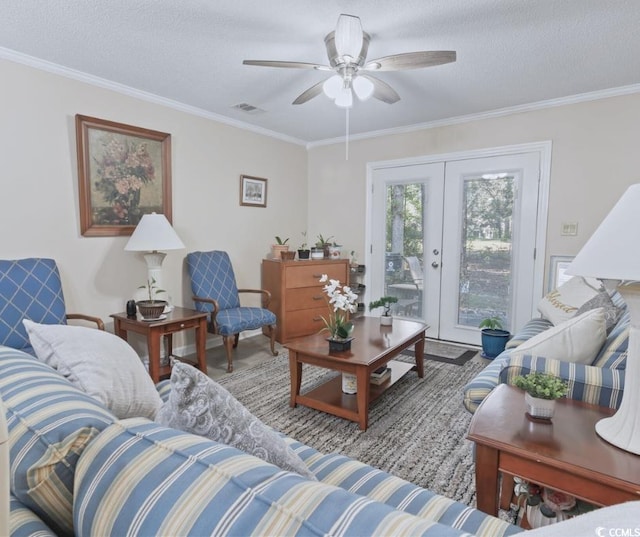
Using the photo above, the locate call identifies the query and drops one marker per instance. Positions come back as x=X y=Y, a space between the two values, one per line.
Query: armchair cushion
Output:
x=212 y=276
x=235 y=320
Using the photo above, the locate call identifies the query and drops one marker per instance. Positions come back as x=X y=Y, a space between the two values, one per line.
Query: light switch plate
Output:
x=569 y=228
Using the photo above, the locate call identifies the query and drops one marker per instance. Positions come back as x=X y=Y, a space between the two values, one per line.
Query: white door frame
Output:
x=544 y=151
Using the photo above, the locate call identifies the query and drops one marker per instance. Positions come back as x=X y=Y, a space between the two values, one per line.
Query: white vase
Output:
x=539 y=408
x=349 y=383
x=386 y=320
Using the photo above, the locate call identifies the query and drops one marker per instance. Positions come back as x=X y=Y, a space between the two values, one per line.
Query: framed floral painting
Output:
x=123 y=173
x=253 y=191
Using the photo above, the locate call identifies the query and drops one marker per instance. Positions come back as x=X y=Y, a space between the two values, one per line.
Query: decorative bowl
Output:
x=151 y=309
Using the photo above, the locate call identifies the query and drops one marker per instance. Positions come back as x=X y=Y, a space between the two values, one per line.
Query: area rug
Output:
x=445 y=353
x=417 y=429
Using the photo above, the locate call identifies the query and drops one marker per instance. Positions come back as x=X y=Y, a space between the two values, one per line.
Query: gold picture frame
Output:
x=123 y=173
x=253 y=191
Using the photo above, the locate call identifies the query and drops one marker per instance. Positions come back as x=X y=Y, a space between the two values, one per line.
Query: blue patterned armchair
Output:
x=215 y=291
x=31 y=289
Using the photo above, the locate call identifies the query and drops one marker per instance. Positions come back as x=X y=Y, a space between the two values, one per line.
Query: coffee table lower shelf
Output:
x=330 y=398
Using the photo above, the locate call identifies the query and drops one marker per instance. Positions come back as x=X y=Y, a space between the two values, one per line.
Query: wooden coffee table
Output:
x=565 y=455
x=374 y=346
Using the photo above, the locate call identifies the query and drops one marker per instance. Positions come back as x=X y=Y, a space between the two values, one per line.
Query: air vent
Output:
x=248 y=108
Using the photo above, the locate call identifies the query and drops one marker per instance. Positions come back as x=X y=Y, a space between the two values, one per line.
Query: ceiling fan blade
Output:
x=411 y=60
x=382 y=90
x=287 y=65
x=309 y=94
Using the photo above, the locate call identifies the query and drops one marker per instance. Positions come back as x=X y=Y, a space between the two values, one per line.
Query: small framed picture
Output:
x=557 y=270
x=253 y=191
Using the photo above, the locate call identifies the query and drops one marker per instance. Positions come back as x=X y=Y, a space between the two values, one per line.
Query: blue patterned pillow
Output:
x=50 y=424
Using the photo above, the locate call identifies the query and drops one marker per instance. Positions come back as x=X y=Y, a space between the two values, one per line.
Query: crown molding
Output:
x=74 y=74
x=540 y=105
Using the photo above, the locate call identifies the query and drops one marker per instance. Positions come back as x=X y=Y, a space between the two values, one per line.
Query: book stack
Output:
x=380 y=375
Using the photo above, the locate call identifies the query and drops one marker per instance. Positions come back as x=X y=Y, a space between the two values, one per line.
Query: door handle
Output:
x=435 y=264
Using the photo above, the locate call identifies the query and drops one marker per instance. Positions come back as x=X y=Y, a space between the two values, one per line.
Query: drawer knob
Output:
x=317 y=297
x=316 y=319
x=182 y=325
x=317 y=276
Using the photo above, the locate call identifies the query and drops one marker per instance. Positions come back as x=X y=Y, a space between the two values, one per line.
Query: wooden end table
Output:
x=374 y=346
x=176 y=320
x=565 y=455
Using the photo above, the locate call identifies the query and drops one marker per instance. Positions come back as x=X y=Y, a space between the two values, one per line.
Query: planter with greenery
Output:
x=494 y=338
x=323 y=244
x=542 y=390
x=303 y=249
x=153 y=307
x=384 y=302
x=279 y=246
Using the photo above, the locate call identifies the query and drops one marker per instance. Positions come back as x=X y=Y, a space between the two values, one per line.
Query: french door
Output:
x=454 y=241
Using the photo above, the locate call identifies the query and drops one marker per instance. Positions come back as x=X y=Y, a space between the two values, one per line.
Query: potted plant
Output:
x=152 y=308
x=280 y=246
x=303 y=249
x=322 y=244
x=334 y=250
x=494 y=338
x=542 y=389
x=385 y=302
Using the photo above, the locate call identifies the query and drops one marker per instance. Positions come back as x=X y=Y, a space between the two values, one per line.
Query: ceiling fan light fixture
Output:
x=332 y=86
x=348 y=37
x=344 y=98
x=363 y=88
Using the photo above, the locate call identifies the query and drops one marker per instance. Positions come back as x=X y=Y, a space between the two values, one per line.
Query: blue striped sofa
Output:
x=600 y=383
x=78 y=470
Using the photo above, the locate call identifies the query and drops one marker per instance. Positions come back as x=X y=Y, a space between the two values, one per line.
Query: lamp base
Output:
x=623 y=428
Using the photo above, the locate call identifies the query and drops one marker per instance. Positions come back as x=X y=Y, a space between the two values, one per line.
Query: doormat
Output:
x=442 y=352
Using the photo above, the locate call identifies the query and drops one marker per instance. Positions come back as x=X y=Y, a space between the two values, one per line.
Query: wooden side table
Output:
x=565 y=455
x=177 y=320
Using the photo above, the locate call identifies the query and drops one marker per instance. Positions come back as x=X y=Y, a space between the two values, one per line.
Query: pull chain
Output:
x=347 y=135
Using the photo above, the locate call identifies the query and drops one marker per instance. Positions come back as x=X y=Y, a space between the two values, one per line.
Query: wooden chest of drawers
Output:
x=297 y=298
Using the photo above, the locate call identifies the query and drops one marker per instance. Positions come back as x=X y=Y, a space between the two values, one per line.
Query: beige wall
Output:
x=39 y=215
x=595 y=156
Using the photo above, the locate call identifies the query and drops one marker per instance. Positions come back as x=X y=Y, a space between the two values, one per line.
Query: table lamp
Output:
x=153 y=233
x=612 y=253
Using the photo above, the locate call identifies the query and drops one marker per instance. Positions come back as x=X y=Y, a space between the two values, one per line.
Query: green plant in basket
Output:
x=542 y=385
x=281 y=241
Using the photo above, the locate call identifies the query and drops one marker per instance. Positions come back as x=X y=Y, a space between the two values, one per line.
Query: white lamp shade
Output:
x=348 y=36
x=344 y=98
x=154 y=232
x=363 y=88
x=332 y=86
x=612 y=251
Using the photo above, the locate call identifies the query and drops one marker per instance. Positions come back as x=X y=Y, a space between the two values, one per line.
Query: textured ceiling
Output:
x=510 y=53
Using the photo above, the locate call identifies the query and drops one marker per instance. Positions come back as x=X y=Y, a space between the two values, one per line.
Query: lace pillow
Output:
x=611 y=311
x=201 y=406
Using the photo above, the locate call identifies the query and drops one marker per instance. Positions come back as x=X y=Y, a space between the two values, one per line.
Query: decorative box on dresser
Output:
x=297 y=298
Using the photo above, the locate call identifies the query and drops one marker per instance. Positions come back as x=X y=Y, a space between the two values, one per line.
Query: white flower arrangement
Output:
x=342 y=301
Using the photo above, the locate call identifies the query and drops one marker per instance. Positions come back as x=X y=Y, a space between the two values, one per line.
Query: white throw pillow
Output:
x=100 y=364
x=563 y=303
x=201 y=406
x=577 y=340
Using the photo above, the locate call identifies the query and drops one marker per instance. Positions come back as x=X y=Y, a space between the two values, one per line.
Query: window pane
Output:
x=486 y=256
x=404 y=248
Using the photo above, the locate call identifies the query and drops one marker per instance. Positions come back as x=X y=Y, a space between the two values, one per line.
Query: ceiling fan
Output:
x=347 y=48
